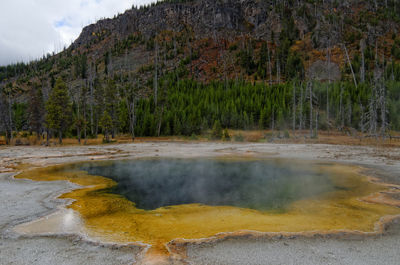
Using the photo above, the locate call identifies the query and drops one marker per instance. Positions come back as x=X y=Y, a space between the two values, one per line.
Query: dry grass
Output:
x=2 y=140
x=301 y=137
x=324 y=137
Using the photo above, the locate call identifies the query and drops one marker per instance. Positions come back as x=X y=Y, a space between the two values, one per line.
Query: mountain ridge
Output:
x=260 y=49
x=229 y=21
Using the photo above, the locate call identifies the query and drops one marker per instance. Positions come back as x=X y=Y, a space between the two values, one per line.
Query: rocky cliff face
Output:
x=225 y=19
x=229 y=18
x=216 y=39
x=204 y=17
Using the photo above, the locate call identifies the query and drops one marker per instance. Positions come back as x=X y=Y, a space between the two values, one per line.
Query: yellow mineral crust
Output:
x=113 y=218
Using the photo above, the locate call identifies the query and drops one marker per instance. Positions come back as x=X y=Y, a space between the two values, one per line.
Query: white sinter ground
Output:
x=23 y=201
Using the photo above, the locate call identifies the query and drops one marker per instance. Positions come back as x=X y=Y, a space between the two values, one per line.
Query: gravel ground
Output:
x=384 y=250
x=24 y=200
x=54 y=251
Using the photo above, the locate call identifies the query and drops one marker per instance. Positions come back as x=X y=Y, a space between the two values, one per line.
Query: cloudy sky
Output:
x=31 y=28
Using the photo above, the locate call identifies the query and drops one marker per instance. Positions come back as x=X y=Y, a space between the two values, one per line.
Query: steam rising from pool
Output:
x=259 y=185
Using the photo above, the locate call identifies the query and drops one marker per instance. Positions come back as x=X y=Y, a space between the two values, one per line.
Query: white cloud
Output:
x=31 y=28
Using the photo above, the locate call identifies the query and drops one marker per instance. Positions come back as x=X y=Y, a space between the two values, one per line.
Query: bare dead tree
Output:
x=189 y=45
x=126 y=66
x=225 y=57
x=301 y=107
x=349 y=111
x=350 y=65
x=76 y=97
x=84 y=109
x=110 y=65
x=327 y=89
x=316 y=123
x=175 y=49
x=215 y=21
x=10 y=103
x=278 y=71
x=46 y=88
x=156 y=72
x=372 y=113
x=162 y=103
x=376 y=55
x=131 y=98
x=310 y=94
x=376 y=5
x=392 y=67
x=92 y=77
x=294 y=109
x=132 y=118
x=341 y=112
x=362 y=67
x=269 y=65
x=383 y=107
x=362 y=119
x=273 y=118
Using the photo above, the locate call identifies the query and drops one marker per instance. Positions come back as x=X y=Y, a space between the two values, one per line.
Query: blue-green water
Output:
x=260 y=185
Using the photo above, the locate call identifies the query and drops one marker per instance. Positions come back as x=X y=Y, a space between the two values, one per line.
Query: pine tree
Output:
x=106 y=124
x=79 y=125
x=35 y=110
x=225 y=135
x=263 y=116
x=59 y=109
x=130 y=98
x=4 y=114
x=217 y=130
x=111 y=99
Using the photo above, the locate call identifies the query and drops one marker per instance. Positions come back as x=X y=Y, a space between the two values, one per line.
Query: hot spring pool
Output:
x=154 y=201
x=259 y=185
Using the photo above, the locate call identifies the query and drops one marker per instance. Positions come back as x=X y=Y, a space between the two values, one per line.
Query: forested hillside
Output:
x=184 y=67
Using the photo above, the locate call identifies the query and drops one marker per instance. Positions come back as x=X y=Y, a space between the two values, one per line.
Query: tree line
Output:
x=188 y=107
x=83 y=101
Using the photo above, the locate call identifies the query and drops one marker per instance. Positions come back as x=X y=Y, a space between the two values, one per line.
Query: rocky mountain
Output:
x=258 y=41
x=224 y=39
